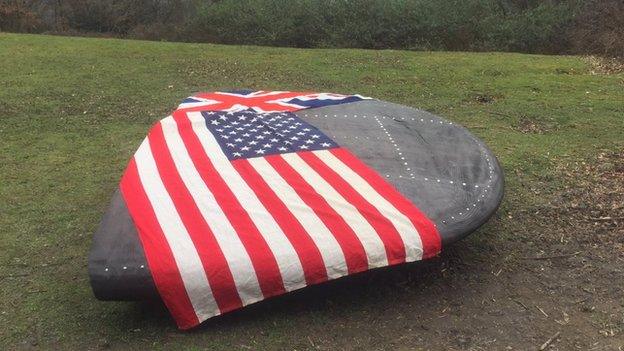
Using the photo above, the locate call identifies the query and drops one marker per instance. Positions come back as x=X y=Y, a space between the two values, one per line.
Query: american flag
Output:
x=235 y=206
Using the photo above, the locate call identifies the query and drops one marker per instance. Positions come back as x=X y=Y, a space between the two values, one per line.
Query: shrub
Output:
x=599 y=29
x=539 y=29
x=517 y=25
x=534 y=26
x=17 y=17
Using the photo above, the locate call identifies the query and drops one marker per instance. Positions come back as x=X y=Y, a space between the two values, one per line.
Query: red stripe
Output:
x=157 y=251
x=352 y=248
x=395 y=249
x=309 y=255
x=227 y=101
x=426 y=228
x=212 y=258
x=262 y=259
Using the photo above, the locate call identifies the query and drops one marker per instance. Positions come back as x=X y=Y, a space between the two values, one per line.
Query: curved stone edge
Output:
x=117 y=266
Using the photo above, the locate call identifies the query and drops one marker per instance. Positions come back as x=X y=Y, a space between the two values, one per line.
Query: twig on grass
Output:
x=581 y=300
x=521 y=304
x=14 y=275
x=597 y=219
x=499 y=114
x=35 y=291
x=541 y=310
x=551 y=257
x=549 y=341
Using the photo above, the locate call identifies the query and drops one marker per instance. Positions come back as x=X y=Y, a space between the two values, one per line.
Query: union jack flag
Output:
x=263 y=101
x=233 y=206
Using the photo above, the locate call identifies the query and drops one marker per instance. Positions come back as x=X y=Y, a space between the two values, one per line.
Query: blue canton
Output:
x=248 y=134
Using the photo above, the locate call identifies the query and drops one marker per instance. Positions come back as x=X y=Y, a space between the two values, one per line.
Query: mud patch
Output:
x=529 y=125
x=485 y=98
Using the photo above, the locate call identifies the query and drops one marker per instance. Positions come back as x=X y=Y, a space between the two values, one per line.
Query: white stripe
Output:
x=252 y=95
x=285 y=254
x=373 y=245
x=330 y=250
x=233 y=249
x=194 y=104
x=405 y=227
x=182 y=247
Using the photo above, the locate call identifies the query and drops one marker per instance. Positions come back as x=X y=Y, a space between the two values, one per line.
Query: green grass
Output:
x=73 y=110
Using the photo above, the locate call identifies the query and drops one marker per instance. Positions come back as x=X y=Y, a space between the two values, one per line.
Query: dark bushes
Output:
x=599 y=29
x=535 y=26
x=414 y=24
x=135 y=18
x=16 y=17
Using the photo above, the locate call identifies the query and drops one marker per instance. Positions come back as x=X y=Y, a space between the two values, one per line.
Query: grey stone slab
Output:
x=446 y=171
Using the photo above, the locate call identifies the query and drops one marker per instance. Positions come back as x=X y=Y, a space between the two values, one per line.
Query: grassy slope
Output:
x=73 y=110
